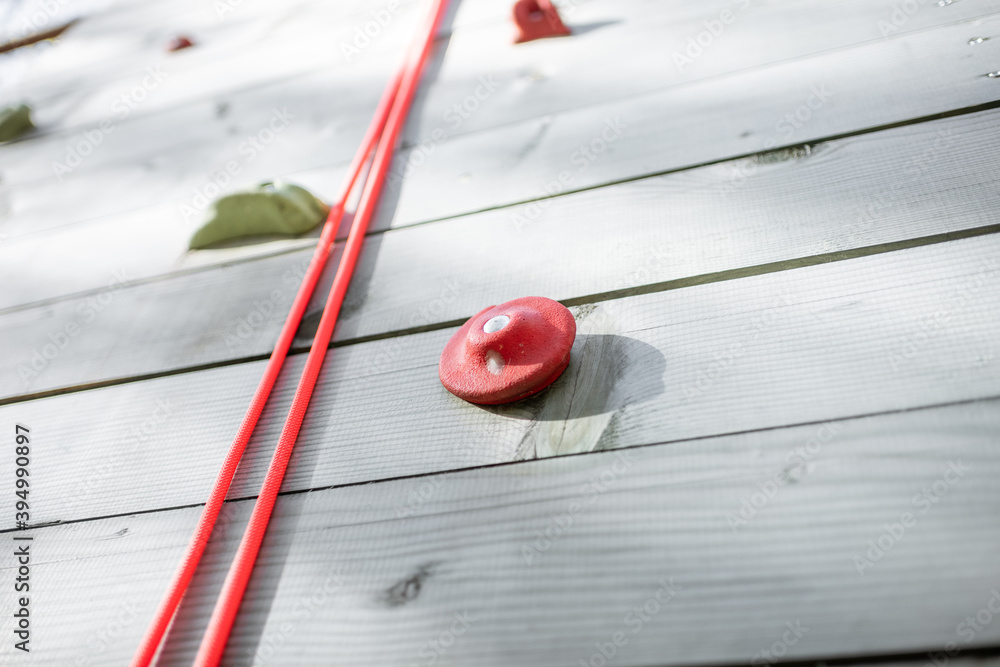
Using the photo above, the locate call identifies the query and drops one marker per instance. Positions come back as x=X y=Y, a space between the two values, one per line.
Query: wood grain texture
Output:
x=879 y=188
x=891 y=332
x=884 y=82
x=255 y=43
x=623 y=50
x=367 y=576
x=236 y=45
x=509 y=164
x=747 y=442
x=532 y=82
x=245 y=44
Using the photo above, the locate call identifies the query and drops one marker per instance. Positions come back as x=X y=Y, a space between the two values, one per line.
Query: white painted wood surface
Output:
x=256 y=42
x=878 y=372
x=917 y=75
x=513 y=100
x=237 y=44
x=703 y=129
x=396 y=569
x=908 y=329
x=872 y=189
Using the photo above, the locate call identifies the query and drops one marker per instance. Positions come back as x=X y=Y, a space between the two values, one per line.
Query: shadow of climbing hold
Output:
x=15 y=121
x=582 y=411
x=577 y=414
x=269 y=208
x=537 y=19
x=178 y=43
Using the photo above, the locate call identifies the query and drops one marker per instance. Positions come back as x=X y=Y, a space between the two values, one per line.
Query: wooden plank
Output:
x=236 y=44
x=252 y=44
x=119 y=40
x=330 y=112
x=641 y=147
x=876 y=334
x=27 y=23
x=916 y=75
x=514 y=99
x=844 y=195
x=194 y=75
x=345 y=577
x=631 y=49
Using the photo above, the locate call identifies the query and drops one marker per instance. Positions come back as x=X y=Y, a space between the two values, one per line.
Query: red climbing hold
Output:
x=508 y=352
x=178 y=43
x=537 y=19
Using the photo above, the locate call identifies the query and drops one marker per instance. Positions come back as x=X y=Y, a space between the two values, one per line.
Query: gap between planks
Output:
x=372 y=233
x=961 y=97
x=843 y=114
x=665 y=17
x=486 y=466
x=635 y=377
x=703 y=279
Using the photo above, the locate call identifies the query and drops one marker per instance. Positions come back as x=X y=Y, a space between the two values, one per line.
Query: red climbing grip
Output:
x=508 y=352
x=179 y=43
x=537 y=19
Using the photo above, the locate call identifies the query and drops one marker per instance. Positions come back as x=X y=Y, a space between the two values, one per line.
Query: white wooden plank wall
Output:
x=738 y=215
x=397 y=565
x=697 y=129
x=653 y=368
x=788 y=337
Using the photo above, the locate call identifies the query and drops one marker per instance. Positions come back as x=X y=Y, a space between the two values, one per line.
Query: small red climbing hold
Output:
x=508 y=352
x=537 y=19
x=179 y=42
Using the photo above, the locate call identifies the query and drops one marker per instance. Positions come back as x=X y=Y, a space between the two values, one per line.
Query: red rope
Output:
x=226 y=607
x=182 y=577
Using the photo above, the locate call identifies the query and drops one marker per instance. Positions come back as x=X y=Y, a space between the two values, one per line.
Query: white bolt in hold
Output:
x=496 y=324
x=495 y=362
